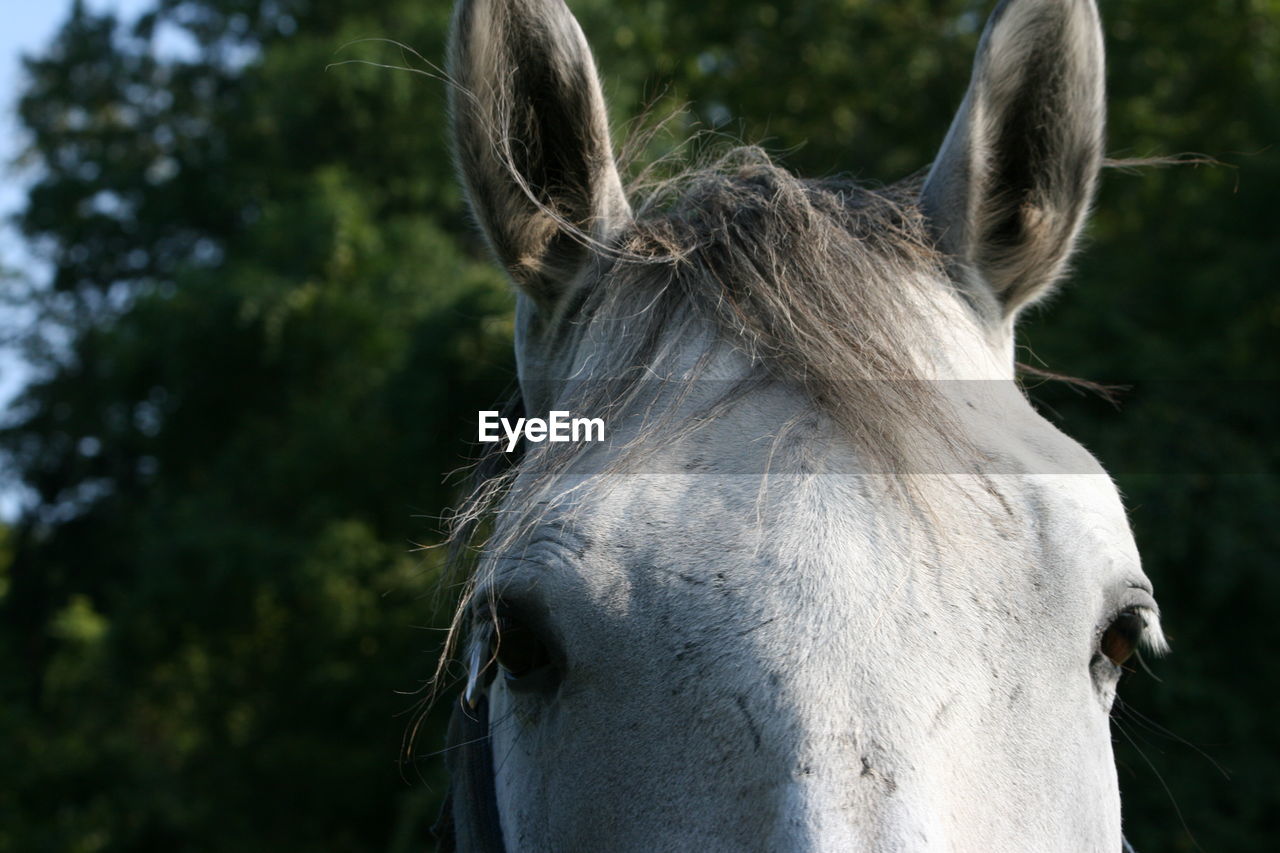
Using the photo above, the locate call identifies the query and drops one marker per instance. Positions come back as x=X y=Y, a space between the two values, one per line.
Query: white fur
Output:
x=802 y=663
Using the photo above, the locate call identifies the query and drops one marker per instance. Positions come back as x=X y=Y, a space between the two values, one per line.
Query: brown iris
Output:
x=1121 y=638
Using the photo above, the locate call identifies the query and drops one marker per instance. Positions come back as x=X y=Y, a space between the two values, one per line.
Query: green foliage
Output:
x=268 y=320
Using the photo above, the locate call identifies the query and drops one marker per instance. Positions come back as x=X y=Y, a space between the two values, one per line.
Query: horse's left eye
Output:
x=524 y=655
x=1122 y=636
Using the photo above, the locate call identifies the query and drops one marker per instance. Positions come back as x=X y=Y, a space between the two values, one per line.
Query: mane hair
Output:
x=817 y=282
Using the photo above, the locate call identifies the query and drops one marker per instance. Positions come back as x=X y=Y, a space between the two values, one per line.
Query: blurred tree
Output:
x=257 y=347
x=268 y=320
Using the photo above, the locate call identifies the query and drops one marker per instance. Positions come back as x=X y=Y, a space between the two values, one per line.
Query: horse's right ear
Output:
x=531 y=138
x=1009 y=190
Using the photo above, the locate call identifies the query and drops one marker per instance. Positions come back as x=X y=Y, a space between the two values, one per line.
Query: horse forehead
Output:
x=846 y=529
x=772 y=474
x=731 y=498
x=727 y=497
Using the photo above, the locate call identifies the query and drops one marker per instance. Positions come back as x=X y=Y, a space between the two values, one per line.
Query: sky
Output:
x=29 y=26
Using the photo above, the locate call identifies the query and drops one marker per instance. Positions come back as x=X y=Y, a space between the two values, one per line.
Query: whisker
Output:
x=1155 y=728
x=1163 y=784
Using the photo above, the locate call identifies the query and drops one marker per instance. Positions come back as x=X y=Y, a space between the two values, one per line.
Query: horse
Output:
x=831 y=583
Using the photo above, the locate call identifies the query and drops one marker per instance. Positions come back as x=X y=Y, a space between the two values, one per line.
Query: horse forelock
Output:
x=827 y=285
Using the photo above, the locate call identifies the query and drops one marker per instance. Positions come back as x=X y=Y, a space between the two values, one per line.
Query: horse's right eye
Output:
x=523 y=655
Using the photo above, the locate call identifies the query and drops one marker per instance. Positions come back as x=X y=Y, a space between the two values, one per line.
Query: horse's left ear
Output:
x=531 y=138
x=1009 y=190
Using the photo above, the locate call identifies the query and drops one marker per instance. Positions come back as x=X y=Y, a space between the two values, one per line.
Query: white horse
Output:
x=832 y=584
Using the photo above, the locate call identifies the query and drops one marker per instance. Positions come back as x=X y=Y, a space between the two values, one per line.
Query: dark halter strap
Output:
x=469 y=821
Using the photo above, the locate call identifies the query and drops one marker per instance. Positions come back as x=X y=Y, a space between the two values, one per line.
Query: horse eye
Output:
x=1121 y=638
x=518 y=650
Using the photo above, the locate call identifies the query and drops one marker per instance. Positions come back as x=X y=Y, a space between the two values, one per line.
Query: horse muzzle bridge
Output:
x=469 y=821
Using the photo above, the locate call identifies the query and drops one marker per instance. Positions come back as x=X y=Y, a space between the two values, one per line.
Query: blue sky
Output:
x=29 y=25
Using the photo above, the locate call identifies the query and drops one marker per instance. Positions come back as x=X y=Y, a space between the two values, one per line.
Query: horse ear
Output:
x=1009 y=190
x=531 y=138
